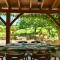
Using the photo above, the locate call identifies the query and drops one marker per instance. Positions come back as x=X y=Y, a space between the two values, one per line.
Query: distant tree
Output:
x=35 y=21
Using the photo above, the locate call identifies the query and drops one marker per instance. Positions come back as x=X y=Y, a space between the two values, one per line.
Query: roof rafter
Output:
x=6 y=3
x=54 y=4
x=30 y=3
x=42 y=4
x=19 y=3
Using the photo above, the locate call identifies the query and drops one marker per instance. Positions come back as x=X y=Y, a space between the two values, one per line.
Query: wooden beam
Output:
x=29 y=11
x=3 y=20
x=8 y=28
x=55 y=4
x=6 y=3
x=48 y=4
x=30 y=3
x=42 y=4
x=16 y=18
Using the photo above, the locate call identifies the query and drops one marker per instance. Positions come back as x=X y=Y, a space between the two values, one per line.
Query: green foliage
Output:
x=53 y=32
x=23 y=32
x=13 y=28
x=20 y=32
x=2 y=28
x=2 y=34
x=33 y=24
x=36 y=20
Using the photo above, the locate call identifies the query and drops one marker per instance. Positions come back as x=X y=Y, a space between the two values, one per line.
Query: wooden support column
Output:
x=7 y=28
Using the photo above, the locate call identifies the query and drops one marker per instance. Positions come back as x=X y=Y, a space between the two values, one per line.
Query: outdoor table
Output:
x=29 y=46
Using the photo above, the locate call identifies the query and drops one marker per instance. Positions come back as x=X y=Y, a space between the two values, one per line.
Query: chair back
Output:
x=22 y=42
x=2 y=54
x=41 y=56
x=11 y=56
x=35 y=42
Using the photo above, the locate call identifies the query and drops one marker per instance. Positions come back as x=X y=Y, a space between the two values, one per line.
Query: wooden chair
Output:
x=35 y=42
x=56 y=54
x=41 y=56
x=22 y=42
x=14 y=56
x=2 y=54
x=26 y=57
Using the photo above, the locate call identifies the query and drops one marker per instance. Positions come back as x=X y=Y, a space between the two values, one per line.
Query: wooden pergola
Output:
x=26 y=6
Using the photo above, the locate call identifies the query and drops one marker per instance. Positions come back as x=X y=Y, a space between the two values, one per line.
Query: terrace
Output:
x=28 y=6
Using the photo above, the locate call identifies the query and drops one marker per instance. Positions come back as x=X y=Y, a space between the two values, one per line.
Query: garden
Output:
x=33 y=27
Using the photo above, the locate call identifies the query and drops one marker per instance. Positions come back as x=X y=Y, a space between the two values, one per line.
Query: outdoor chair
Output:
x=56 y=54
x=35 y=42
x=22 y=42
x=26 y=57
x=2 y=54
x=14 y=56
x=43 y=56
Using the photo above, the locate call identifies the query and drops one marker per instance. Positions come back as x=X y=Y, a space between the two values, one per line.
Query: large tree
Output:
x=35 y=21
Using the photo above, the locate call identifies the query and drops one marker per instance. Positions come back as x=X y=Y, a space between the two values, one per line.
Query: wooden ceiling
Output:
x=30 y=6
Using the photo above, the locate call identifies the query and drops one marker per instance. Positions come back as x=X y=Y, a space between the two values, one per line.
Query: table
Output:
x=30 y=46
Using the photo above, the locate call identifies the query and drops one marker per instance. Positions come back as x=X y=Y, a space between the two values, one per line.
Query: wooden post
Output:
x=7 y=28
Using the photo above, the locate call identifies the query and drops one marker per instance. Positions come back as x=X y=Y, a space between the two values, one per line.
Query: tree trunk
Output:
x=49 y=32
x=59 y=33
x=35 y=33
x=35 y=30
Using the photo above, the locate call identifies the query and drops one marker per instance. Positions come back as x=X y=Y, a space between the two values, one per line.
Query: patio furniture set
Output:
x=24 y=51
